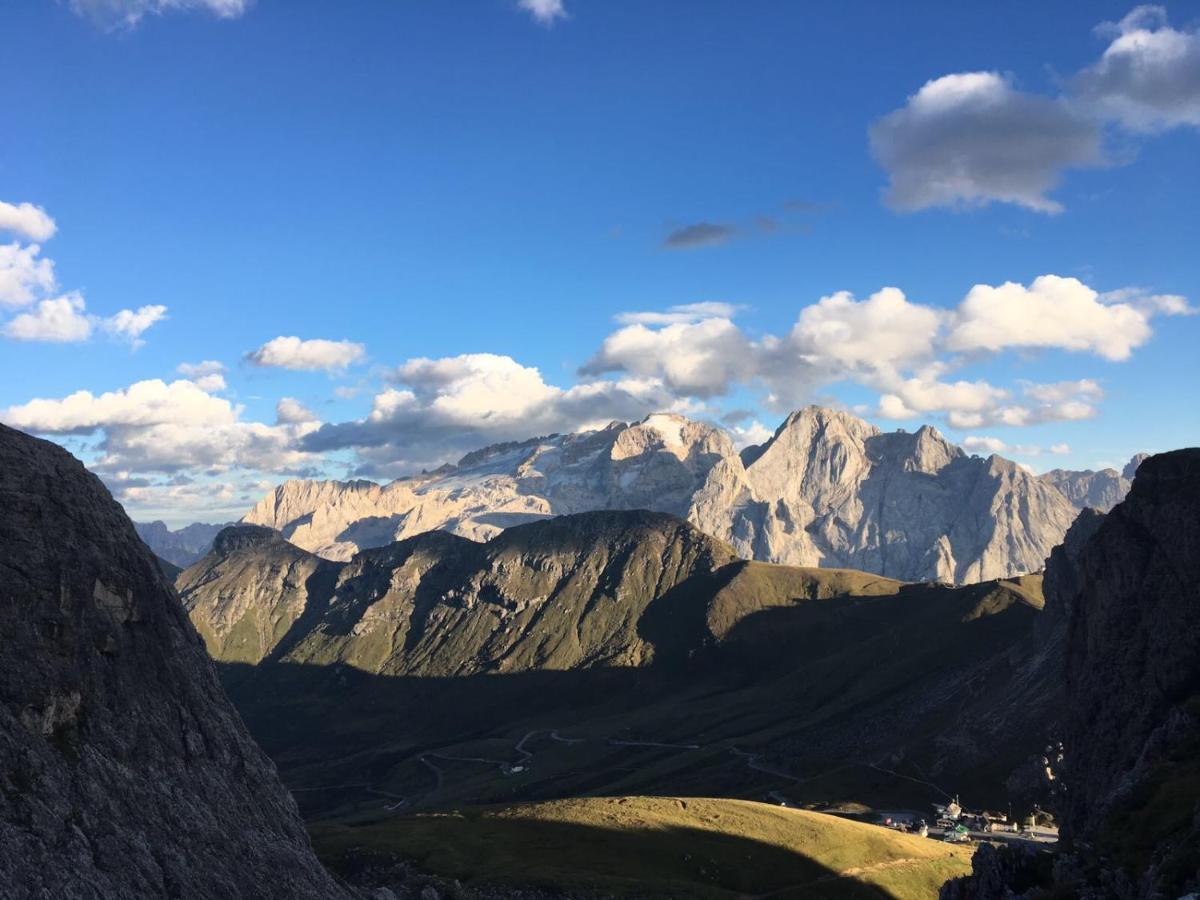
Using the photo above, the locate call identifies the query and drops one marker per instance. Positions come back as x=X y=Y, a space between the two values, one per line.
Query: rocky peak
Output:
x=244 y=537
x=1131 y=467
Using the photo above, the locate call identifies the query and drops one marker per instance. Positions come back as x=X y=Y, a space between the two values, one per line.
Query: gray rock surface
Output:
x=1087 y=489
x=124 y=770
x=828 y=490
x=831 y=490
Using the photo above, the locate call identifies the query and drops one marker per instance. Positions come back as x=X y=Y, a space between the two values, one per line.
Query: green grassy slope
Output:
x=657 y=847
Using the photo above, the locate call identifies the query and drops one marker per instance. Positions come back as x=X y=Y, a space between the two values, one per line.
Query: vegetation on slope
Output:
x=655 y=847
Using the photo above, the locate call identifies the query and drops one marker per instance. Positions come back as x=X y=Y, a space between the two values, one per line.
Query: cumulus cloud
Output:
x=900 y=348
x=209 y=375
x=24 y=275
x=131 y=324
x=1052 y=312
x=27 y=221
x=64 y=320
x=699 y=234
x=290 y=411
x=60 y=320
x=312 y=355
x=970 y=139
x=1148 y=78
x=113 y=14
x=27 y=279
x=154 y=426
x=544 y=12
x=883 y=331
x=700 y=357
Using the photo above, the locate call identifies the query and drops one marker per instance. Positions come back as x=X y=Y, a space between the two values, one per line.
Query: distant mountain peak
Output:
x=811 y=495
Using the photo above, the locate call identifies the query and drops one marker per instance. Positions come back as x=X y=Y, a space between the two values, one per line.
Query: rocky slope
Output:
x=1090 y=489
x=124 y=770
x=827 y=490
x=1132 y=726
x=182 y=547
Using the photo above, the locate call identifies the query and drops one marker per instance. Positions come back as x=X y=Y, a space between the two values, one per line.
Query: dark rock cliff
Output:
x=124 y=770
x=1124 y=591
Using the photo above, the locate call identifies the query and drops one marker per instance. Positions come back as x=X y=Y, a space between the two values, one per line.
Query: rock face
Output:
x=182 y=547
x=655 y=464
x=124 y=770
x=831 y=490
x=1132 y=725
x=1123 y=594
x=1089 y=489
x=827 y=490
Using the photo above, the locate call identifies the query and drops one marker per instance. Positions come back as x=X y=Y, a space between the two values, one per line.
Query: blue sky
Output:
x=434 y=181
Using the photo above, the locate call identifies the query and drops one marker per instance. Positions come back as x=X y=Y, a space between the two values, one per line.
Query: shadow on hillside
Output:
x=614 y=855
x=920 y=682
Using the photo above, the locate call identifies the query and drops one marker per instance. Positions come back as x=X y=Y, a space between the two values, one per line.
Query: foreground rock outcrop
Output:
x=827 y=490
x=124 y=770
x=1125 y=590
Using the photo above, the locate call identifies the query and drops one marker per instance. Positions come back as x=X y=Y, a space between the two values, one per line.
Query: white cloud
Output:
x=966 y=403
x=155 y=426
x=311 y=355
x=290 y=411
x=208 y=374
x=23 y=274
x=1052 y=312
x=970 y=138
x=26 y=220
x=1060 y=449
x=130 y=324
x=1148 y=78
x=441 y=408
x=64 y=320
x=28 y=279
x=702 y=357
x=143 y=404
x=881 y=332
x=545 y=12
x=111 y=14
x=749 y=435
x=58 y=320
x=990 y=445
x=200 y=369
x=684 y=313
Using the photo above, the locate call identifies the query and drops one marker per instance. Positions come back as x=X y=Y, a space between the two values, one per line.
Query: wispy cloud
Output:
x=544 y=12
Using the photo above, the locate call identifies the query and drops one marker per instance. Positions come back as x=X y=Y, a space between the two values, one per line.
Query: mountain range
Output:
x=828 y=489
x=621 y=629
